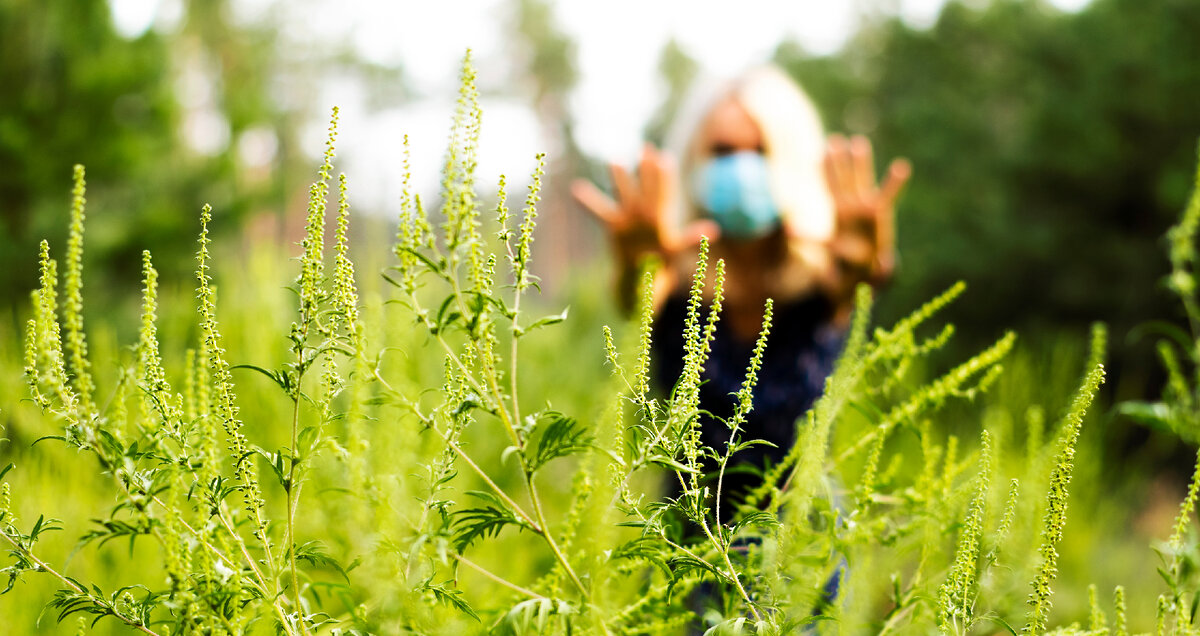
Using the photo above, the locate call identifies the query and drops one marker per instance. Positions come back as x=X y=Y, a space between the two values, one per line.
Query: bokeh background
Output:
x=1053 y=144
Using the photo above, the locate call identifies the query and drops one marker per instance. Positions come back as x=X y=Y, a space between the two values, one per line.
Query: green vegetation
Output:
x=420 y=453
x=1031 y=135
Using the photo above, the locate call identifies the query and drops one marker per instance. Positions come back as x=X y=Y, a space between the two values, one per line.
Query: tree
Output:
x=1051 y=153
x=78 y=92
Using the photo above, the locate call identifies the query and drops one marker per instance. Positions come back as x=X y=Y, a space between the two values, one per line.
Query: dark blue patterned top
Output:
x=801 y=350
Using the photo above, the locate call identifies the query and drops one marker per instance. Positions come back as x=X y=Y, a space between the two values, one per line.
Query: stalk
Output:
x=293 y=500
x=44 y=567
x=495 y=578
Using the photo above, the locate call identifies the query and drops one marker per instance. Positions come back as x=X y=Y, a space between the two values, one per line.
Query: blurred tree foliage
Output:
x=77 y=91
x=678 y=71
x=545 y=67
x=1051 y=152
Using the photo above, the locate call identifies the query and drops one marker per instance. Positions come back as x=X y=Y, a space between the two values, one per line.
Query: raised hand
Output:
x=638 y=220
x=864 y=239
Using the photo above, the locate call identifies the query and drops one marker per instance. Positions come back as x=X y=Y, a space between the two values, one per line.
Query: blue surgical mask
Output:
x=735 y=191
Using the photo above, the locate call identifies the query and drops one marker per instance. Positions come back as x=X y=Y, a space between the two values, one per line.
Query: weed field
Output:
x=325 y=440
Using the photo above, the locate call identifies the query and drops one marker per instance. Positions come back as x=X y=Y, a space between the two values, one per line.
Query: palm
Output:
x=638 y=219
x=864 y=210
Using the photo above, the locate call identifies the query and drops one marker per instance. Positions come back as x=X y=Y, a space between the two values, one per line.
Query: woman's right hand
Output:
x=638 y=221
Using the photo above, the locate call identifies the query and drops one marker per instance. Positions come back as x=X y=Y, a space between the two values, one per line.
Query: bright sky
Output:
x=618 y=43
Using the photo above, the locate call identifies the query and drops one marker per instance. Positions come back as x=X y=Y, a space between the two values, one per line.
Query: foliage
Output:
x=378 y=468
x=1032 y=136
x=79 y=91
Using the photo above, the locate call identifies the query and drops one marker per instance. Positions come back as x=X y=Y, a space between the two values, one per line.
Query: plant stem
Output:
x=509 y=420
x=537 y=510
x=43 y=567
x=724 y=552
x=260 y=584
x=506 y=583
x=293 y=501
x=512 y=356
x=461 y=454
x=721 y=473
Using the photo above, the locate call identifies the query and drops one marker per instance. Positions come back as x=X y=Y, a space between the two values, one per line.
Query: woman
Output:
x=795 y=216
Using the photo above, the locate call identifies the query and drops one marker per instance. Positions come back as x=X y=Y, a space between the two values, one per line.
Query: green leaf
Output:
x=1155 y=414
x=1001 y=623
x=758 y=518
x=446 y=316
x=451 y=597
x=532 y=616
x=483 y=522
x=668 y=462
x=731 y=627
x=113 y=528
x=646 y=549
x=278 y=377
x=1162 y=328
x=276 y=462
x=541 y=322
x=313 y=553
x=684 y=564
x=436 y=268
x=563 y=436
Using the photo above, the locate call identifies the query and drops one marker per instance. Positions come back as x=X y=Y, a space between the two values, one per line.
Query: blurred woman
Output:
x=797 y=217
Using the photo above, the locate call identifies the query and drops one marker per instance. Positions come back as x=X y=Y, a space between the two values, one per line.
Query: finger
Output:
x=694 y=232
x=838 y=168
x=898 y=173
x=595 y=201
x=827 y=166
x=668 y=184
x=627 y=190
x=650 y=173
x=862 y=163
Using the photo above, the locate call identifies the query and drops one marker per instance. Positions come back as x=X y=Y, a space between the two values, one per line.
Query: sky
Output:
x=618 y=43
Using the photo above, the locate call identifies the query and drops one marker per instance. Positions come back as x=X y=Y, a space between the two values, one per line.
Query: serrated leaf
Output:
x=646 y=549
x=313 y=553
x=453 y=598
x=684 y=564
x=757 y=518
x=483 y=522
x=561 y=437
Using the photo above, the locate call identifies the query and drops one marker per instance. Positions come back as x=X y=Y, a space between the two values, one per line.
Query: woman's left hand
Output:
x=864 y=239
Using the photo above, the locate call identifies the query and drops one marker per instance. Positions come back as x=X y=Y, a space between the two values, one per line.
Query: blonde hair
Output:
x=795 y=147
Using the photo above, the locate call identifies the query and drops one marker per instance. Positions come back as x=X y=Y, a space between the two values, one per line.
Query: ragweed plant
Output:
x=423 y=485
x=228 y=564
x=1178 y=411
